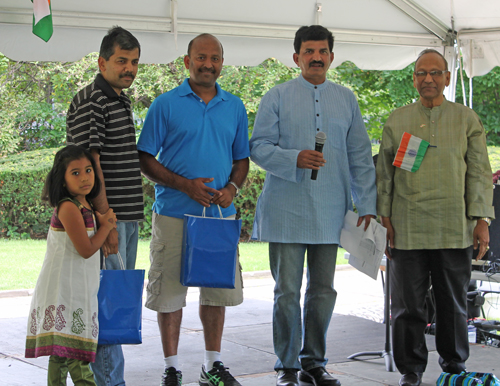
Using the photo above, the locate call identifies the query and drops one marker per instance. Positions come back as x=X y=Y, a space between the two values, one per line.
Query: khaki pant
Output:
x=165 y=293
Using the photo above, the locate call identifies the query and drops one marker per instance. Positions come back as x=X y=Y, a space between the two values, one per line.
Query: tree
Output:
x=35 y=96
x=485 y=101
x=250 y=84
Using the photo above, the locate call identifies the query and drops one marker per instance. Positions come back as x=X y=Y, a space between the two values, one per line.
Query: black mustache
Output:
x=317 y=62
x=127 y=74
x=205 y=69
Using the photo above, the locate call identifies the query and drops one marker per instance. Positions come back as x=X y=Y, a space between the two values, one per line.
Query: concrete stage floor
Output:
x=247 y=343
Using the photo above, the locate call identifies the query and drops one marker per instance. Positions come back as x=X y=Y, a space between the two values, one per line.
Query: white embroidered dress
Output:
x=63 y=314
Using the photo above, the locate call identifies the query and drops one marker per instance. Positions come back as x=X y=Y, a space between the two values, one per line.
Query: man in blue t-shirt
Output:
x=200 y=134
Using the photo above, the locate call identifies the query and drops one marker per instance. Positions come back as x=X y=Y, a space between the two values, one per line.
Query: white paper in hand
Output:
x=366 y=248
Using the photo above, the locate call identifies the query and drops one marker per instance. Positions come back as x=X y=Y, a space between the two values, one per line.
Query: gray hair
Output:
x=432 y=51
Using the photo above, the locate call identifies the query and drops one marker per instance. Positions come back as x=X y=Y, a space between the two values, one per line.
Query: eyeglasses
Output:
x=434 y=74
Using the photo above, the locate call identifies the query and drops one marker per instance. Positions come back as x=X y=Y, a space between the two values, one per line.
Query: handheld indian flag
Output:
x=42 y=19
x=410 y=153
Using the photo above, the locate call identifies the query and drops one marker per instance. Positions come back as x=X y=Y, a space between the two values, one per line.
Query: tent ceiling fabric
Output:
x=374 y=34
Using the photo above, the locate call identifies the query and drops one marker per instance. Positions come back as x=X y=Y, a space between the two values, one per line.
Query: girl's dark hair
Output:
x=55 y=190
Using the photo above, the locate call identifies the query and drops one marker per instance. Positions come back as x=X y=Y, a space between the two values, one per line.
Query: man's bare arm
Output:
x=481 y=237
x=101 y=201
x=239 y=171
x=238 y=175
x=387 y=224
x=101 y=205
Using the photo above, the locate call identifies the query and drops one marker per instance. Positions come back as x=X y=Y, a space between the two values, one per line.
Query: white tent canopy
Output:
x=374 y=34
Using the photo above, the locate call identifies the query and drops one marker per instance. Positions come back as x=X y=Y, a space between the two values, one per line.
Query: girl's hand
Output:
x=72 y=220
x=107 y=220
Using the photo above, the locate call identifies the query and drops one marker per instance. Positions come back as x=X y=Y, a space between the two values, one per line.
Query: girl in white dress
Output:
x=63 y=315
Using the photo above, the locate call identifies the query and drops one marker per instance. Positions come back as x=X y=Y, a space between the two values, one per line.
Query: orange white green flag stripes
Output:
x=410 y=153
x=42 y=19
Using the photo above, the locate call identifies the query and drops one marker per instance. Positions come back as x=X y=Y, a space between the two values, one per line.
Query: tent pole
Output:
x=461 y=71
x=173 y=11
x=471 y=74
x=451 y=57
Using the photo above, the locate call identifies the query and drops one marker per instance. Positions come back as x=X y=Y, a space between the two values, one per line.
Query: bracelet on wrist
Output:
x=236 y=187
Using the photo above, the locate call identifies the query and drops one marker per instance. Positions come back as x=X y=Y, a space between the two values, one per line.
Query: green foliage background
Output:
x=22 y=212
x=485 y=101
x=35 y=96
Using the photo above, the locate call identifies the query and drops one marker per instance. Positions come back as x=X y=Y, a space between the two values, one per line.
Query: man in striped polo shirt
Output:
x=100 y=119
x=435 y=196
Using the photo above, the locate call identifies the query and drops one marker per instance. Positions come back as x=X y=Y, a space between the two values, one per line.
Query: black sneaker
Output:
x=217 y=376
x=171 y=377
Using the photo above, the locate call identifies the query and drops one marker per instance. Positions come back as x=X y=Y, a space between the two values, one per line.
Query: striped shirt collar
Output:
x=108 y=90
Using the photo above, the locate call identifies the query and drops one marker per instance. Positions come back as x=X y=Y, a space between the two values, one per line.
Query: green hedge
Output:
x=246 y=202
x=23 y=214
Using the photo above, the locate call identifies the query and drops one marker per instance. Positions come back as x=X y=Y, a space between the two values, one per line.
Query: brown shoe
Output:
x=317 y=376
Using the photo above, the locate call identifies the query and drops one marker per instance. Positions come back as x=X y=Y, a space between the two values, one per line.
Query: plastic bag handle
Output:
x=204 y=208
x=122 y=266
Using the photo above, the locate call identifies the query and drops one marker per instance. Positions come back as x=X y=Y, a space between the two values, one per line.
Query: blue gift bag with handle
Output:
x=209 y=251
x=120 y=306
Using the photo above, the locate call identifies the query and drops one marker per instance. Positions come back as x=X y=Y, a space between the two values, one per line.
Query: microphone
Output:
x=318 y=146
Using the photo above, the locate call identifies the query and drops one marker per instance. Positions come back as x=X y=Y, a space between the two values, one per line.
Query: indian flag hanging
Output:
x=42 y=19
x=410 y=153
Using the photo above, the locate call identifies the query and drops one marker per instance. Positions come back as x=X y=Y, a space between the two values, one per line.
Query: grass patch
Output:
x=21 y=260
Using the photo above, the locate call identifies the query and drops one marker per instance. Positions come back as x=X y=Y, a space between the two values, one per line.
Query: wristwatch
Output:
x=487 y=220
x=238 y=189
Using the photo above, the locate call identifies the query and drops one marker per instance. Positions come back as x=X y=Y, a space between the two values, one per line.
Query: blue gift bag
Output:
x=447 y=379
x=488 y=379
x=209 y=251
x=120 y=306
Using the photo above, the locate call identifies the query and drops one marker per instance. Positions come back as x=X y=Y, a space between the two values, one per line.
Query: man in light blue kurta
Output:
x=296 y=214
